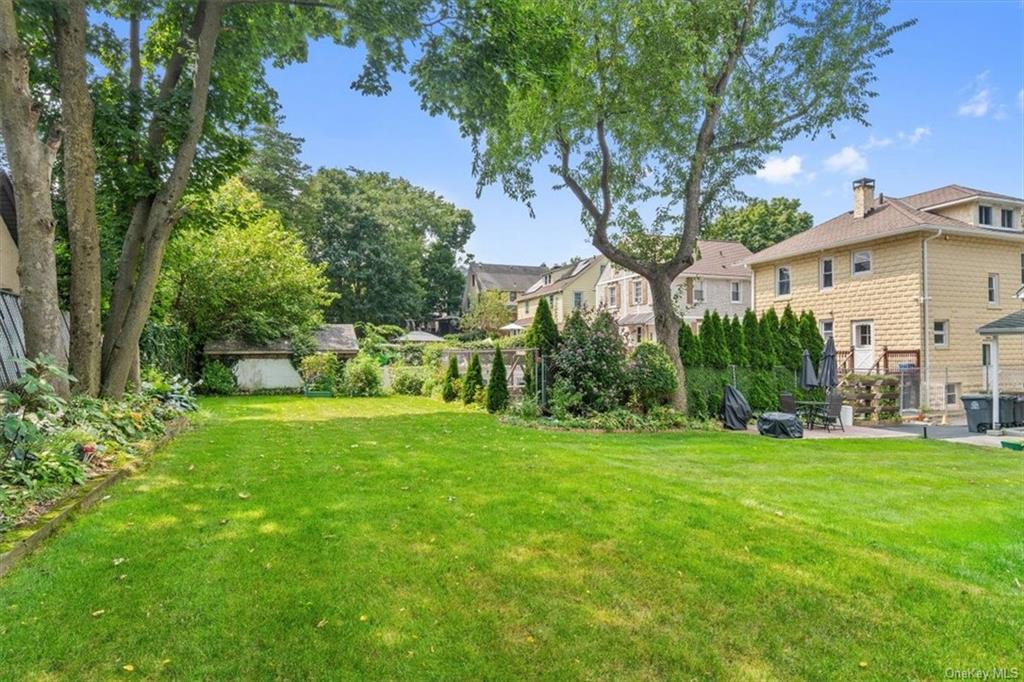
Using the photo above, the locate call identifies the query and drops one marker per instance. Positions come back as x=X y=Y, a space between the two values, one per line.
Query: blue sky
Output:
x=950 y=110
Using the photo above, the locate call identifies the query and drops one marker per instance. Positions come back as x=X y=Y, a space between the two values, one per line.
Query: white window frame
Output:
x=1003 y=212
x=821 y=273
x=944 y=333
x=735 y=292
x=778 y=281
x=955 y=392
x=577 y=300
x=1022 y=267
x=981 y=208
x=613 y=296
x=853 y=263
x=527 y=304
x=512 y=296
x=992 y=289
x=638 y=292
x=698 y=290
x=831 y=330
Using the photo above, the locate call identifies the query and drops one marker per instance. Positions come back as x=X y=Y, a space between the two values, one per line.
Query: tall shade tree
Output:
x=69 y=28
x=760 y=223
x=31 y=154
x=275 y=170
x=648 y=111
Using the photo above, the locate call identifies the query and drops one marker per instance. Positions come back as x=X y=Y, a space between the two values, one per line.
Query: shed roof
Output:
x=331 y=338
x=418 y=337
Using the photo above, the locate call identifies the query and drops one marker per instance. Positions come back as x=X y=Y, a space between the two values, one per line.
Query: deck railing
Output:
x=890 y=360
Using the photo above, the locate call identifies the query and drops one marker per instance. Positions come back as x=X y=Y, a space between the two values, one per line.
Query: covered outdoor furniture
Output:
x=779 y=425
x=808 y=377
x=829 y=415
x=787 y=403
x=828 y=370
x=735 y=412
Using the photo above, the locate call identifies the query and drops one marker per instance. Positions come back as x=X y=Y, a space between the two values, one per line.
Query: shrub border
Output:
x=27 y=539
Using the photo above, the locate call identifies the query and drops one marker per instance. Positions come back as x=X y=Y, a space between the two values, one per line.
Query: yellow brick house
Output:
x=905 y=284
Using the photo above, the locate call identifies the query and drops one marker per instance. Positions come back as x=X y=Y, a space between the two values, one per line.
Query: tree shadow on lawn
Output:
x=446 y=544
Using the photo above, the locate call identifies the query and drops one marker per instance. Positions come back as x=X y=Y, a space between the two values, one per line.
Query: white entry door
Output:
x=988 y=377
x=863 y=345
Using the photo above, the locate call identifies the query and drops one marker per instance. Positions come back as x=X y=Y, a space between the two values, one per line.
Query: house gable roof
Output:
x=505 y=277
x=1011 y=324
x=887 y=217
x=717 y=258
x=951 y=194
x=561 y=278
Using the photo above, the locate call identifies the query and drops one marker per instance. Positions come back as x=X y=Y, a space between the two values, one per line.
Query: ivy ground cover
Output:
x=400 y=538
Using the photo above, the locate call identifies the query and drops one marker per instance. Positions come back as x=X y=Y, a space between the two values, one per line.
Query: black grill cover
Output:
x=779 y=425
x=735 y=412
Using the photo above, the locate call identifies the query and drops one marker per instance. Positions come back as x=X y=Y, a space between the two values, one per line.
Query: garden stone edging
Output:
x=28 y=539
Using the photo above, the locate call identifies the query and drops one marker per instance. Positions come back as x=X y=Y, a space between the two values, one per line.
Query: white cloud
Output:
x=847 y=160
x=877 y=142
x=779 y=170
x=919 y=134
x=978 y=104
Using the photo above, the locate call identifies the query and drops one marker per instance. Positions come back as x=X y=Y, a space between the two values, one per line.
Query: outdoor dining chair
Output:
x=829 y=416
x=787 y=403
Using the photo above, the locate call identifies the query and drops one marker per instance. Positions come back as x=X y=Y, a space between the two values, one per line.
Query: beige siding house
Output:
x=906 y=283
x=567 y=288
x=9 y=280
x=717 y=281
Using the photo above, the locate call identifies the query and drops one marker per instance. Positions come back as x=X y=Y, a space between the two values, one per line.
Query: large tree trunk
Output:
x=666 y=327
x=154 y=219
x=69 y=25
x=31 y=160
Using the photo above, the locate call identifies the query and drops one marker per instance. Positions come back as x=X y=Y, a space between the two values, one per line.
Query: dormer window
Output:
x=1006 y=218
x=547 y=279
x=984 y=215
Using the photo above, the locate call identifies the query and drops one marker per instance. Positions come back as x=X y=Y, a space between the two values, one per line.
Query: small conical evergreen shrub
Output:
x=810 y=336
x=689 y=347
x=474 y=380
x=449 y=387
x=542 y=335
x=790 y=349
x=497 y=385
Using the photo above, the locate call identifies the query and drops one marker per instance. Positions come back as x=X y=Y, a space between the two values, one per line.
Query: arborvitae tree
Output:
x=737 y=344
x=543 y=332
x=449 y=388
x=690 y=348
x=770 y=337
x=722 y=339
x=474 y=380
x=542 y=335
x=712 y=341
x=497 y=385
x=810 y=336
x=752 y=336
x=790 y=349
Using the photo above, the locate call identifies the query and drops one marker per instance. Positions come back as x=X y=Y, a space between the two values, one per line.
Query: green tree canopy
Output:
x=760 y=223
x=248 y=279
x=275 y=171
x=810 y=336
x=390 y=247
x=790 y=349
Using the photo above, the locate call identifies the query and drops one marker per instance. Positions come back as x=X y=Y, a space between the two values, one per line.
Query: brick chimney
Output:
x=863 y=196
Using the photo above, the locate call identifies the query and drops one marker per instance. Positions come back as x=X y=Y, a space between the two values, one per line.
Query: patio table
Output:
x=809 y=408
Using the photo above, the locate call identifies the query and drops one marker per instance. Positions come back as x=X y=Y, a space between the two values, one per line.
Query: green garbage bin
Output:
x=978 y=408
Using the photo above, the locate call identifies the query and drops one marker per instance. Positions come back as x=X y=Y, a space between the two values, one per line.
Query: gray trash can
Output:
x=978 y=408
x=1018 y=411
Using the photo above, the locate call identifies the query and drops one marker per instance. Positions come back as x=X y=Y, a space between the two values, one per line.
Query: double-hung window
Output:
x=827 y=329
x=638 y=292
x=782 y=281
x=941 y=333
x=734 y=292
x=827 y=273
x=1006 y=218
x=577 y=299
x=993 y=288
x=984 y=215
x=698 y=291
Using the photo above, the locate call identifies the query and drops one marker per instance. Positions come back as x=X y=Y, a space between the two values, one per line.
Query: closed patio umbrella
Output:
x=828 y=372
x=808 y=377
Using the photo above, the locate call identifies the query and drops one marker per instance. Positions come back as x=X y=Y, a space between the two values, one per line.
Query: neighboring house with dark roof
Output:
x=907 y=282
x=263 y=366
x=717 y=281
x=566 y=287
x=509 y=280
x=9 y=279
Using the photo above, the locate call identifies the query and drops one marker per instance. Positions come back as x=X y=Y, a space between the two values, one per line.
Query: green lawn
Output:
x=289 y=538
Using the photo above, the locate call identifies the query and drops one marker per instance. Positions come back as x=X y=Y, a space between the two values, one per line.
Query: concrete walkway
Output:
x=851 y=432
x=951 y=433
